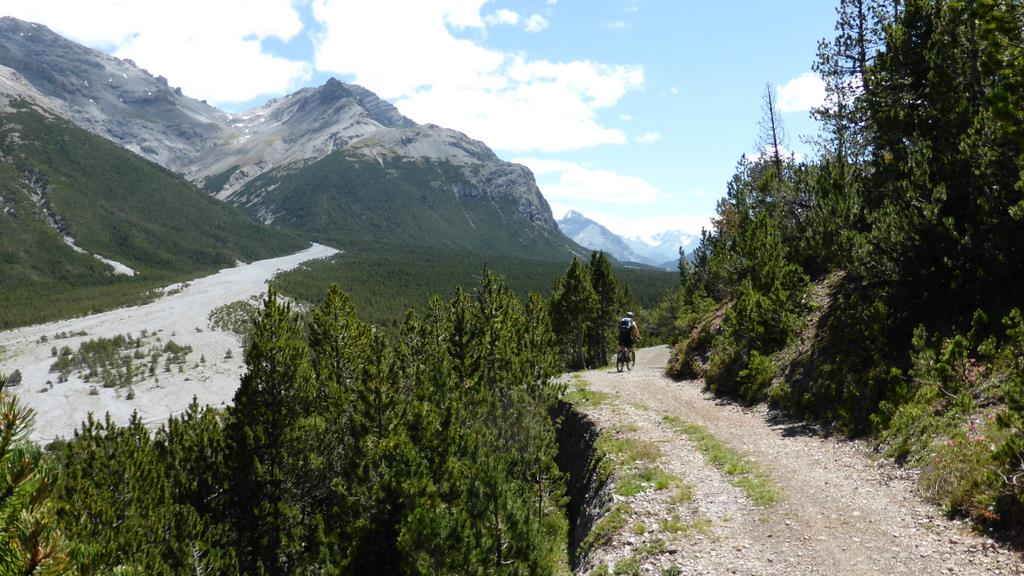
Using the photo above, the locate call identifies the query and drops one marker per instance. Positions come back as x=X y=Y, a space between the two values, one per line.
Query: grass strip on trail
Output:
x=583 y=396
x=742 y=473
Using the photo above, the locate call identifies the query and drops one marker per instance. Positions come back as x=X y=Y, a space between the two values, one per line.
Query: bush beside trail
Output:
x=875 y=289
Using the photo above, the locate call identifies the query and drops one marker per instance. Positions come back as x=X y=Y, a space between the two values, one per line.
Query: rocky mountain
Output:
x=14 y=87
x=288 y=134
x=306 y=125
x=112 y=97
x=226 y=153
x=661 y=250
x=590 y=234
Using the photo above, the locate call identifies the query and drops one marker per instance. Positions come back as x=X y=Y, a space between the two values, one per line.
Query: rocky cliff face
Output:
x=306 y=125
x=14 y=87
x=490 y=176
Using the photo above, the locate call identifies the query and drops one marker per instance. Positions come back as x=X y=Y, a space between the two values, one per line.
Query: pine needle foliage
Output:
x=30 y=541
x=344 y=452
x=908 y=228
x=586 y=303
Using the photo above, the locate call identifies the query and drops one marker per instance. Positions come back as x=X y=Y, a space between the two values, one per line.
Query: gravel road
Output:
x=842 y=510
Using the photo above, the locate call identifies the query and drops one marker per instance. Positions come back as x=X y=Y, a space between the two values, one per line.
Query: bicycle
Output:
x=626 y=358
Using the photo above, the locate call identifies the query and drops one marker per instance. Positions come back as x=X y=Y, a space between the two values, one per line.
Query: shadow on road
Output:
x=790 y=427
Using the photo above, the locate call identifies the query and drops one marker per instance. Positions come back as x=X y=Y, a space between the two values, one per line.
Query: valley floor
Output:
x=840 y=510
x=210 y=374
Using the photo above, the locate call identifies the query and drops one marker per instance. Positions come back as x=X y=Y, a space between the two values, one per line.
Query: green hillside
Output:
x=114 y=204
x=347 y=200
x=407 y=235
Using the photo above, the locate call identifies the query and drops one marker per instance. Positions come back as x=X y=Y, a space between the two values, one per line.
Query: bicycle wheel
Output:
x=620 y=361
x=630 y=360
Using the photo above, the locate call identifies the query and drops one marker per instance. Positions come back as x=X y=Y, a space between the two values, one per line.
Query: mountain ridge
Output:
x=662 y=253
x=112 y=97
x=589 y=233
x=222 y=153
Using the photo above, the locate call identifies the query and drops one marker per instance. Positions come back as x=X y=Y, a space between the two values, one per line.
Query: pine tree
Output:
x=606 y=287
x=117 y=503
x=267 y=447
x=773 y=134
x=30 y=542
x=340 y=347
x=375 y=493
x=192 y=449
x=574 y=307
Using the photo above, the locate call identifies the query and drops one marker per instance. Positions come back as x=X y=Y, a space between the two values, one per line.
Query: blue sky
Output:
x=633 y=112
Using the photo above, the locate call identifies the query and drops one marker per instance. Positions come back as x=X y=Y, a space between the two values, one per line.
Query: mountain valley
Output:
x=332 y=164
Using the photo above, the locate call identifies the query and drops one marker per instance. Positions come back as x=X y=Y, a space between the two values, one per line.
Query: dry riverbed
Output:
x=210 y=372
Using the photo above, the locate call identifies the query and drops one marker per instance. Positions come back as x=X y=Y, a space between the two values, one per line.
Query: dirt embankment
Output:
x=840 y=509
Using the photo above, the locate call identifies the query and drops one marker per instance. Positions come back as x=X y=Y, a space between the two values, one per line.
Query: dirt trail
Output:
x=841 y=511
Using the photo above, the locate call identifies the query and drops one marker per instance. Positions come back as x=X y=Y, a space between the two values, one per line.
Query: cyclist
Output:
x=628 y=332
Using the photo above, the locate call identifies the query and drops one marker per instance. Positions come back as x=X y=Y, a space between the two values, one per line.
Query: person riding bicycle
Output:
x=628 y=332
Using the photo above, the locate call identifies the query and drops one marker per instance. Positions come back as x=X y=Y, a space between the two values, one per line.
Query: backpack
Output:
x=626 y=326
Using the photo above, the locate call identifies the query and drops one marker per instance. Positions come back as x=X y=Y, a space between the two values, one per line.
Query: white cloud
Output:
x=503 y=16
x=616 y=25
x=626 y=117
x=212 y=50
x=409 y=53
x=802 y=93
x=546 y=116
x=558 y=210
x=647 y=138
x=504 y=99
x=568 y=181
x=598 y=85
x=536 y=23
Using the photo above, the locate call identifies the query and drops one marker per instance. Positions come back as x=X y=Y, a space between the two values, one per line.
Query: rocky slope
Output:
x=112 y=97
x=14 y=88
x=306 y=125
x=287 y=134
